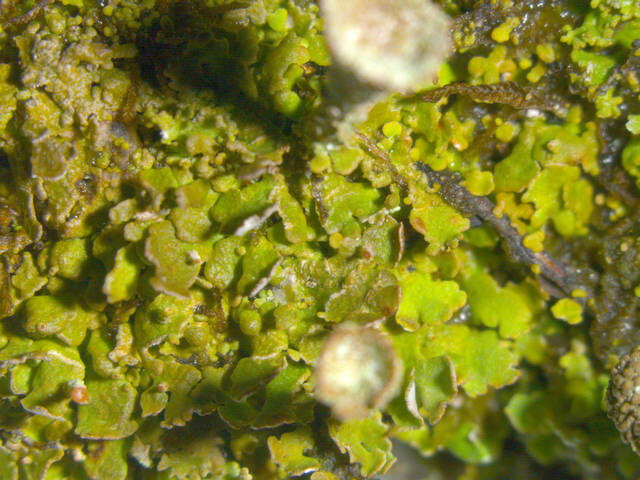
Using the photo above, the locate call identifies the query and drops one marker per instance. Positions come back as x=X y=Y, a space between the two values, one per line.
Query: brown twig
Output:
x=381 y=156
x=508 y=93
x=28 y=15
x=323 y=214
x=460 y=198
x=554 y=277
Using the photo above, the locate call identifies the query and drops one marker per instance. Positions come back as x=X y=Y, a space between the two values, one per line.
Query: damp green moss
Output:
x=183 y=225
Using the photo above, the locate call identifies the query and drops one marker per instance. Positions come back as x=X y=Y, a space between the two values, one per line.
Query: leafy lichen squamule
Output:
x=183 y=246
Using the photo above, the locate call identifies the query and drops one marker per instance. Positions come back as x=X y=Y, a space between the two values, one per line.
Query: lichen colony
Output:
x=239 y=240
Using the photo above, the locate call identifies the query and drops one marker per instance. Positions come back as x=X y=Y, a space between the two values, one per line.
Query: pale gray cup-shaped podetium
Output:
x=394 y=45
x=357 y=370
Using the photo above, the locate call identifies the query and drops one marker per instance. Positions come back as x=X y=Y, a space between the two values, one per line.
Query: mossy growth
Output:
x=187 y=235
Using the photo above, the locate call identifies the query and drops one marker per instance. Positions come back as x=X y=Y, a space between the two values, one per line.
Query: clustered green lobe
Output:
x=180 y=231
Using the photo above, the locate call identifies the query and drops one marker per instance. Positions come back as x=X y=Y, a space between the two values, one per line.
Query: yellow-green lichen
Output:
x=210 y=267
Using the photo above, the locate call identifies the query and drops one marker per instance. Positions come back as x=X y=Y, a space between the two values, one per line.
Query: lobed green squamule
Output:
x=182 y=226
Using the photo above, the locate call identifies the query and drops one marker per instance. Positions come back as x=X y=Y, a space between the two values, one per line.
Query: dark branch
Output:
x=508 y=93
x=461 y=199
x=382 y=156
x=321 y=208
x=554 y=277
x=28 y=15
